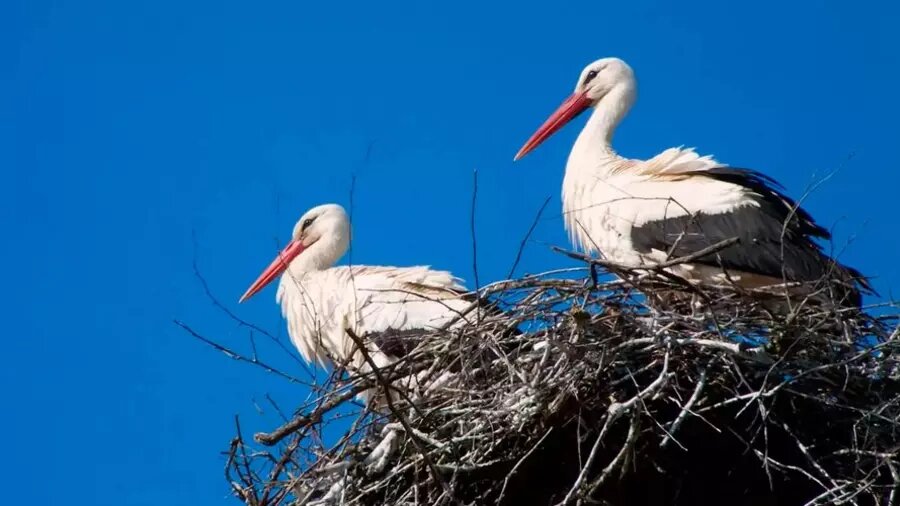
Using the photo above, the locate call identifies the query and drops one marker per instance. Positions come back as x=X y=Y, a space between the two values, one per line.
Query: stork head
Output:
x=597 y=81
x=320 y=238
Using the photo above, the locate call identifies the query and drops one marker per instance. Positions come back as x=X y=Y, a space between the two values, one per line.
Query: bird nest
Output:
x=609 y=393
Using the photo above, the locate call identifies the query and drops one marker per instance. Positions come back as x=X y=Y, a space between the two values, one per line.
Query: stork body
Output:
x=644 y=212
x=381 y=305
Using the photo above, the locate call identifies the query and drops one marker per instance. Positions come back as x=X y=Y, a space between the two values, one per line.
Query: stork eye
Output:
x=590 y=76
x=306 y=223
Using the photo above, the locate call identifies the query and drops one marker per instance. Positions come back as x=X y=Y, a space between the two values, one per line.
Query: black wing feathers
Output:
x=774 y=203
x=776 y=237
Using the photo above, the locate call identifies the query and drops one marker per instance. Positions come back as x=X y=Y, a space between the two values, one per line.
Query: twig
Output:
x=628 y=446
x=521 y=249
x=472 y=226
x=218 y=304
x=237 y=356
x=305 y=420
x=249 y=493
x=686 y=409
x=655 y=267
x=519 y=463
x=583 y=473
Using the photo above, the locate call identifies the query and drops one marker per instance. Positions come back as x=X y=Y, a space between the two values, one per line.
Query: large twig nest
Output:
x=595 y=395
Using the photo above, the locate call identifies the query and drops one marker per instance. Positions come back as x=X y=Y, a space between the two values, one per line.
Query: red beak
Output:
x=570 y=108
x=279 y=265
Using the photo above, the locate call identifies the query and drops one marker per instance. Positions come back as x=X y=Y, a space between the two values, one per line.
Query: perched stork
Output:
x=640 y=212
x=383 y=306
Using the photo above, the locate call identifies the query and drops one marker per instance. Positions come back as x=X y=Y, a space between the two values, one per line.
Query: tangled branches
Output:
x=604 y=394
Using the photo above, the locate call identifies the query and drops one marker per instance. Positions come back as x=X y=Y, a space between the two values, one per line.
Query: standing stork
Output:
x=383 y=306
x=644 y=212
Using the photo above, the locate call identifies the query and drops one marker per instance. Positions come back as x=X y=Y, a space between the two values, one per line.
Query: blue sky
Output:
x=126 y=128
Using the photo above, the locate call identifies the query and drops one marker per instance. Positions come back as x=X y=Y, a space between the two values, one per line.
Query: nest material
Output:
x=605 y=395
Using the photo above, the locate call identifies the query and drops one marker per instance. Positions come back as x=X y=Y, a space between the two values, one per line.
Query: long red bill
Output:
x=274 y=269
x=568 y=110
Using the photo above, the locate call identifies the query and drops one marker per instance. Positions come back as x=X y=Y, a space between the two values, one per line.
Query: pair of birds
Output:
x=633 y=212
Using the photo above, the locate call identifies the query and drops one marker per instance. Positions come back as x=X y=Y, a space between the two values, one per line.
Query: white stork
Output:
x=383 y=306
x=640 y=212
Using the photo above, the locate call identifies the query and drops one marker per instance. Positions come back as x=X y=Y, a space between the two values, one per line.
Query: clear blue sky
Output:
x=125 y=126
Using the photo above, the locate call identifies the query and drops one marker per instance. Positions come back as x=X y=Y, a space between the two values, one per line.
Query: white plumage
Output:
x=603 y=205
x=320 y=302
x=320 y=305
x=643 y=212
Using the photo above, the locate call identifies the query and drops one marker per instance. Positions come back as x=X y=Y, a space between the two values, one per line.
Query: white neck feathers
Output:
x=594 y=143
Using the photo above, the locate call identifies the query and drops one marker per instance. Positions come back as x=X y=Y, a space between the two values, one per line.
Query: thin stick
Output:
x=304 y=420
x=655 y=267
x=521 y=250
x=237 y=356
x=472 y=227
